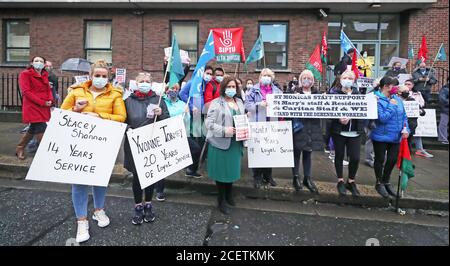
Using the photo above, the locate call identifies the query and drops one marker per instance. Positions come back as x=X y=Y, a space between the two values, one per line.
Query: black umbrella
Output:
x=76 y=64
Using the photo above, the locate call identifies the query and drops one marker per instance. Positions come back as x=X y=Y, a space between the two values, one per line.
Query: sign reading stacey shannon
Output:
x=270 y=145
x=159 y=149
x=77 y=149
x=359 y=106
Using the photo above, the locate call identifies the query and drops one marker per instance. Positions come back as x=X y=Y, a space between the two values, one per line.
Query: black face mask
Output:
x=405 y=94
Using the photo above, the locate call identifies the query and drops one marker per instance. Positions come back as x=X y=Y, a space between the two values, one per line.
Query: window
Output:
x=187 y=37
x=361 y=27
x=17 y=41
x=389 y=27
x=274 y=35
x=334 y=27
x=98 y=41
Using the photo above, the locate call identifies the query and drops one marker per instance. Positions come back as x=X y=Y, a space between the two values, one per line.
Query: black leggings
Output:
x=380 y=149
x=137 y=191
x=353 y=146
x=306 y=160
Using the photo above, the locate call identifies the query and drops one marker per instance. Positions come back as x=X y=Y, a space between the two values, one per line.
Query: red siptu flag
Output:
x=315 y=63
x=423 y=50
x=324 y=50
x=354 y=65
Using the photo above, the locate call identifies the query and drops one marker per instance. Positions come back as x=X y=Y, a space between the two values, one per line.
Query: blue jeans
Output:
x=80 y=196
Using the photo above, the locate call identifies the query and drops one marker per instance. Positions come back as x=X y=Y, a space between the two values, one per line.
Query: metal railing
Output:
x=11 y=96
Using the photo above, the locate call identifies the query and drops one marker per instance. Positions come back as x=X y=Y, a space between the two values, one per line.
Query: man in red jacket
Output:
x=212 y=90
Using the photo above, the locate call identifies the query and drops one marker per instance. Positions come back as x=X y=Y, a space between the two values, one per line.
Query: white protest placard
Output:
x=270 y=145
x=402 y=78
x=77 y=149
x=426 y=125
x=242 y=126
x=81 y=79
x=159 y=149
x=183 y=54
x=402 y=61
x=412 y=108
x=355 y=106
x=121 y=75
x=364 y=82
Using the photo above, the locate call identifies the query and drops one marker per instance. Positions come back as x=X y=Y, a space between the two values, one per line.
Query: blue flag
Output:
x=442 y=56
x=208 y=54
x=257 y=51
x=346 y=44
x=175 y=66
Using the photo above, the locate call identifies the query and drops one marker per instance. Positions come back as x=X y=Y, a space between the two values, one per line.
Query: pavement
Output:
x=36 y=214
x=427 y=190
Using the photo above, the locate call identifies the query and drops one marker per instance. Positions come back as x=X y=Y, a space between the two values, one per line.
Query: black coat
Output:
x=309 y=138
x=394 y=73
x=356 y=124
x=137 y=117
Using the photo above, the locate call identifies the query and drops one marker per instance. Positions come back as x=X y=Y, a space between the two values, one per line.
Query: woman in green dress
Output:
x=224 y=152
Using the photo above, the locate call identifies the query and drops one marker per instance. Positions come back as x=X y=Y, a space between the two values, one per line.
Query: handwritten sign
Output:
x=426 y=125
x=183 y=54
x=360 y=106
x=270 y=145
x=81 y=79
x=364 y=82
x=121 y=75
x=159 y=149
x=77 y=149
x=242 y=127
x=412 y=108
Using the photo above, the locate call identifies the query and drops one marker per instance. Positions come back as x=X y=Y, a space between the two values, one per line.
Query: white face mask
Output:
x=265 y=80
x=306 y=82
x=99 y=83
x=249 y=86
x=219 y=79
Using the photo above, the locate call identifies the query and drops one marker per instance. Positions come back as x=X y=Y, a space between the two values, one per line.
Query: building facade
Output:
x=133 y=34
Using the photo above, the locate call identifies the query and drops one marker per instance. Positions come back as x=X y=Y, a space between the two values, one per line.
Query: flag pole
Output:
x=236 y=69
x=398 y=191
x=431 y=68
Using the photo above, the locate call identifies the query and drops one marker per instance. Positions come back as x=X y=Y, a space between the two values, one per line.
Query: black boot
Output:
x=270 y=181
x=296 y=183
x=390 y=190
x=257 y=182
x=229 y=194
x=307 y=182
x=381 y=189
x=353 y=189
x=341 y=188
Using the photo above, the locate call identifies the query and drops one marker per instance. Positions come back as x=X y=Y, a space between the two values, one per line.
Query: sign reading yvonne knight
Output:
x=270 y=145
x=77 y=149
x=159 y=149
x=358 y=106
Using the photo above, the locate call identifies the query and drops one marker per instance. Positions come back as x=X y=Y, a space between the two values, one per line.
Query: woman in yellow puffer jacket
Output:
x=97 y=98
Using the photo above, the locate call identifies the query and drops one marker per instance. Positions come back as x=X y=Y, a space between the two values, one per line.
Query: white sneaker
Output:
x=345 y=163
x=101 y=218
x=82 y=231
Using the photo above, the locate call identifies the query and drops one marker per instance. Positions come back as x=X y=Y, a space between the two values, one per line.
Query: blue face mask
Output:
x=230 y=92
x=144 y=87
x=173 y=94
x=207 y=78
x=219 y=79
x=99 y=83
x=38 y=66
x=346 y=83
x=266 y=80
